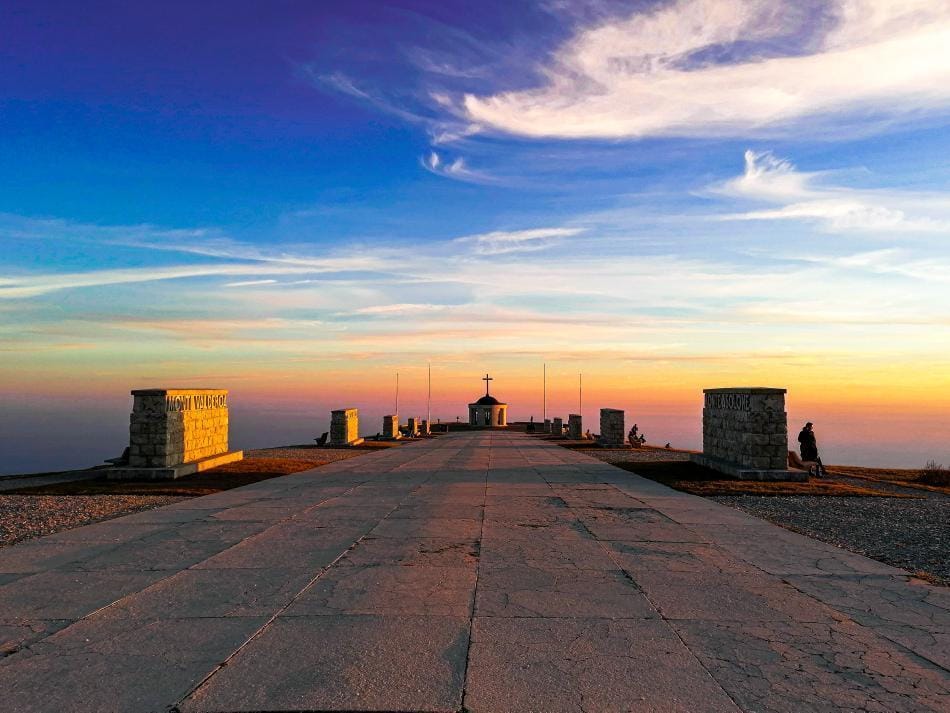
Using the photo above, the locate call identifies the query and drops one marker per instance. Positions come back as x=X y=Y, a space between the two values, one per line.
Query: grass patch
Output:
x=225 y=477
x=921 y=479
x=695 y=479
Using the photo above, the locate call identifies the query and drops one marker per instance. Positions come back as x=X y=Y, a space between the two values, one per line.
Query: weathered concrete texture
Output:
x=483 y=571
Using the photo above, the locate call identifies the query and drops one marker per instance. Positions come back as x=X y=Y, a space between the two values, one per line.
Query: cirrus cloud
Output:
x=730 y=67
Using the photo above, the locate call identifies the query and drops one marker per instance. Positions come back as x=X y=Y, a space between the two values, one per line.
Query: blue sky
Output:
x=747 y=188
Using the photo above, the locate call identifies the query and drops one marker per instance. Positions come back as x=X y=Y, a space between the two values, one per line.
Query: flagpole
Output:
x=397 y=392
x=429 y=400
x=544 y=391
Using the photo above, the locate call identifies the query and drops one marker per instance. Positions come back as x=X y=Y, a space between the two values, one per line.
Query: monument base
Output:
x=172 y=472
x=742 y=473
x=355 y=442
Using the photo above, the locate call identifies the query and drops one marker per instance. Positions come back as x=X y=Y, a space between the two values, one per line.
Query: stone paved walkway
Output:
x=476 y=572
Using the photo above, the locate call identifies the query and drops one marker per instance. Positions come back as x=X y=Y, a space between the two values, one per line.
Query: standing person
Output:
x=808 y=445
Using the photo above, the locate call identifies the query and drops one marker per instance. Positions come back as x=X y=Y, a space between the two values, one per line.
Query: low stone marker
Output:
x=745 y=434
x=611 y=427
x=547 y=425
x=391 y=427
x=176 y=432
x=557 y=426
x=345 y=427
x=413 y=423
x=424 y=428
x=575 y=429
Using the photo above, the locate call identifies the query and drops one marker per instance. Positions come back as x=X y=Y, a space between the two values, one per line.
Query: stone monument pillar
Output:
x=557 y=426
x=391 y=427
x=413 y=426
x=574 y=428
x=745 y=434
x=424 y=428
x=345 y=427
x=176 y=432
x=547 y=425
x=611 y=427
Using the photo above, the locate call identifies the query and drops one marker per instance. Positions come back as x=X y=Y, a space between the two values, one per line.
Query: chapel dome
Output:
x=488 y=401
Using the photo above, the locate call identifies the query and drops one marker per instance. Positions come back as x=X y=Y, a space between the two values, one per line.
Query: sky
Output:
x=297 y=200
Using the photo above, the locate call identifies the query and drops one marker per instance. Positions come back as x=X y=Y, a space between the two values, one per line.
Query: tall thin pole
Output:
x=397 y=392
x=429 y=399
x=544 y=392
x=580 y=393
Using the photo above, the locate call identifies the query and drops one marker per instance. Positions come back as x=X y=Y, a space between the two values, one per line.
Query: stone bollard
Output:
x=345 y=427
x=574 y=428
x=745 y=434
x=611 y=427
x=391 y=427
x=176 y=432
x=557 y=427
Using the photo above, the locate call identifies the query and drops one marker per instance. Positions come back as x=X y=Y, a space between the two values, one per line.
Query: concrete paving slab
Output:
x=518 y=591
x=68 y=594
x=552 y=665
x=362 y=663
x=796 y=667
x=361 y=585
x=391 y=590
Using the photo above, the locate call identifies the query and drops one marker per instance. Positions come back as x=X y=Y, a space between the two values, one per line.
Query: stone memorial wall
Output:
x=611 y=427
x=575 y=428
x=175 y=432
x=345 y=427
x=745 y=433
x=391 y=426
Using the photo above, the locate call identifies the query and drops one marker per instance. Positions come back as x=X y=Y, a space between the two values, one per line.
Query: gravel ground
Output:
x=26 y=516
x=320 y=455
x=912 y=534
x=634 y=455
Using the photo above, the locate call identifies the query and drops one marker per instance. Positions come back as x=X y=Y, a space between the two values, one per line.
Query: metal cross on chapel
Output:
x=486 y=379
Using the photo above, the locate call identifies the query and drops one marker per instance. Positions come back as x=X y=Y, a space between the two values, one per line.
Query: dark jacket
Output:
x=809 y=445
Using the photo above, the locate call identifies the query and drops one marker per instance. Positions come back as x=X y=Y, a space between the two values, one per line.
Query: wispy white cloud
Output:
x=732 y=67
x=250 y=283
x=808 y=196
x=41 y=284
x=517 y=241
x=455 y=168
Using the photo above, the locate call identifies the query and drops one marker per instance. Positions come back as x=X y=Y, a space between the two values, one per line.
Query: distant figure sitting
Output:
x=635 y=438
x=667 y=446
x=808 y=445
x=588 y=436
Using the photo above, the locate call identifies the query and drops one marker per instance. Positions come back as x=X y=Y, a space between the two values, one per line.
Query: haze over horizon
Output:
x=296 y=200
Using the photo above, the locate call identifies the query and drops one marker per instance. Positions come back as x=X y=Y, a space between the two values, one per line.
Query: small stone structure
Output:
x=424 y=427
x=745 y=434
x=391 y=427
x=345 y=427
x=547 y=425
x=557 y=426
x=575 y=429
x=176 y=432
x=488 y=412
x=611 y=427
x=413 y=425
